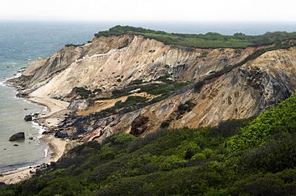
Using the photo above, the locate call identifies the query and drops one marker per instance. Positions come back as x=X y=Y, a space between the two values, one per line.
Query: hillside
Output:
x=239 y=157
x=126 y=82
x=155 y=113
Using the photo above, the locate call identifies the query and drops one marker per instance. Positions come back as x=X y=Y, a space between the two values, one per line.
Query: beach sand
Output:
x=57 y=147
x=51 y=119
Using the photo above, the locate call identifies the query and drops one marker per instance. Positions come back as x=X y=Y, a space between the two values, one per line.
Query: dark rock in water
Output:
x=28 y=118
x=30 y=138
x=15 y=145
x=17 y=136
x=25 y=108
x=45 y=133
x=60 y=134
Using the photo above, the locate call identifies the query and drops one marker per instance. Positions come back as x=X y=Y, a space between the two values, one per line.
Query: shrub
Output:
x=184 y=108
x=207 y=152
x=198 y=157
x=229 y=127
x=82 y=91
x=108 y=155
x=123 y=138
x=275 y=156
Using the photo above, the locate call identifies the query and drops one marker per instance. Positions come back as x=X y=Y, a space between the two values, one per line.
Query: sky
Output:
x=149 y=10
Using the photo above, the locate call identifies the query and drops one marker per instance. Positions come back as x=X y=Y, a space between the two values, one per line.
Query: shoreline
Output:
x=57 y=146
x=52 y=117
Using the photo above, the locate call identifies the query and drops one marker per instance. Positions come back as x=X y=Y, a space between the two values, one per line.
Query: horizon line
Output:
x=150 y=21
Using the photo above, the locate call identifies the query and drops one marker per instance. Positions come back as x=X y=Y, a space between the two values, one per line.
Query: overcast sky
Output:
x=149 y=10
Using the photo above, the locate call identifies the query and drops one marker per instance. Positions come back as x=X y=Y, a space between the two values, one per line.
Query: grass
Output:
x=208 y=40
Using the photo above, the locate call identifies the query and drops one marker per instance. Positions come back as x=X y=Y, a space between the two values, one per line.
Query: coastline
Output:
x=57 y=147
x=53 y=116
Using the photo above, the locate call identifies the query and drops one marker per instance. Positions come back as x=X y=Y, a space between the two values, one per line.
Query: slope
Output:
x=239 y=157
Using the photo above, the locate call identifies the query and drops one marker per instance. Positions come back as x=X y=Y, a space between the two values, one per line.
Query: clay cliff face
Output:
x=109 y=63
x=105 y=61
x=242 y=93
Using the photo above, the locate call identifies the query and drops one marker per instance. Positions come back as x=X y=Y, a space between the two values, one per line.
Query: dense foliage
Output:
x=208 y=40
x=163 y=87
x=239 y=157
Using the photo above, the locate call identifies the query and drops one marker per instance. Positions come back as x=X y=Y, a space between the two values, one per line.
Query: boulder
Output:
x=28 y=118
x=17 y=136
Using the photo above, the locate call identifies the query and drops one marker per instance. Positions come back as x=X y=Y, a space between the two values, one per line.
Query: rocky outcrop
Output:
x=138 y=126
x=18 y=136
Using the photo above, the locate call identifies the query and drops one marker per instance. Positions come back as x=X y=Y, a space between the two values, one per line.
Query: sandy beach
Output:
x=57 y=146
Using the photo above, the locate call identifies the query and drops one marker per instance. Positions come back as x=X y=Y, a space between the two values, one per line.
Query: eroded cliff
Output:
x=129 y=83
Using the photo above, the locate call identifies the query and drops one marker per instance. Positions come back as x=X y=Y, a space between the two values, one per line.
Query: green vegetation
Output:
x=184 y=108
x=274 y=122
x=84 y=93
x=130 y=101
x=208 y=40
x=239 y=157
x=164 y=88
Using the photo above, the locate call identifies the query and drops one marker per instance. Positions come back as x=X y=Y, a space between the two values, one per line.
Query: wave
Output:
x=17 y=75
x=45 y=152
x=40 y=128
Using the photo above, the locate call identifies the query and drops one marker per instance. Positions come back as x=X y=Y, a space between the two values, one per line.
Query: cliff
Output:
x=134 y=84
x=169 y=118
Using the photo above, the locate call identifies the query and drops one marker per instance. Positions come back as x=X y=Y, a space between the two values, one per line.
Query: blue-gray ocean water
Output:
x=20 y=42
x=23 y=41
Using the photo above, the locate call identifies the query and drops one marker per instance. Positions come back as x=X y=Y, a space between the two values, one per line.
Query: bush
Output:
x=82 y=91
x=198 y=157
x=278 y=119
x=229 y=127
x=123 y=138
x=184 y=108
x=275 y=156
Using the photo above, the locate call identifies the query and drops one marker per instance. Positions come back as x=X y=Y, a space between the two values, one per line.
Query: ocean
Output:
x=19 y=43
x=22 y=41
